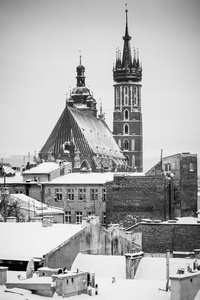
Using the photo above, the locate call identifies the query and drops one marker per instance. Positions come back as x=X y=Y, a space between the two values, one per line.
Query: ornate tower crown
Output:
x=126 y=69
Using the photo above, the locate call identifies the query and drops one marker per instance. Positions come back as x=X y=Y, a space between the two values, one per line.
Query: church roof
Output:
x=90 y=135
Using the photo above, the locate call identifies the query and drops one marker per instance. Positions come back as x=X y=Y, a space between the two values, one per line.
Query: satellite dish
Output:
x=30 y=269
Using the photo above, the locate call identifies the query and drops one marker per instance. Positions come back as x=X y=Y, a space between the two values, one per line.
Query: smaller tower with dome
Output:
x=81 y=97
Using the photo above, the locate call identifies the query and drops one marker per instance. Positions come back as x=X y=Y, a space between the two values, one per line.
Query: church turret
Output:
x=127 y=116
x=80 y=97
x=80 y=74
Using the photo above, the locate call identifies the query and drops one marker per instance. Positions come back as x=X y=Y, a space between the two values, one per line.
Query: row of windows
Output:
x=79 y=216
x=81 y=194
x=130 y=96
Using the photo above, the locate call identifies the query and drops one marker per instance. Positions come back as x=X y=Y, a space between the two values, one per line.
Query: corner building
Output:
x=127 y=116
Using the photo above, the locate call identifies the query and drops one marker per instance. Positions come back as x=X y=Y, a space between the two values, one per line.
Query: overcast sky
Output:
x=39 y=53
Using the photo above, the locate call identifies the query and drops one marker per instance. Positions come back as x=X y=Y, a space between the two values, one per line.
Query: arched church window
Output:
x=126 y=129
x=126 y=114
x=126 y=145
x=125 y=95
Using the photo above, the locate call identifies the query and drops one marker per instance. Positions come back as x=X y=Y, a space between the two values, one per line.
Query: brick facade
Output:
x=157 y=238
x=132 y=198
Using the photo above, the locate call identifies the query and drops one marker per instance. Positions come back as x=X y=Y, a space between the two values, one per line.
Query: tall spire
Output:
x=126 y=58
x=126 y=68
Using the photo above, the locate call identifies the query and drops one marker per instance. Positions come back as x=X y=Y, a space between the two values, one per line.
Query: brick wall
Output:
x=132 y=198
x=157 y=238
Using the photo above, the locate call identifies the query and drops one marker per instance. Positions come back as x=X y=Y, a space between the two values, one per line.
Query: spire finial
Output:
x=126 y=10
x=80 y=56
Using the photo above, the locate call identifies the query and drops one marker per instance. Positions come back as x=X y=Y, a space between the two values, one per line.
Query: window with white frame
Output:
x=68 y=217
x=81 y=194
x=93 y=194
x=78 y=217
x=103 y=194
x=70 y=194
x=58 y=194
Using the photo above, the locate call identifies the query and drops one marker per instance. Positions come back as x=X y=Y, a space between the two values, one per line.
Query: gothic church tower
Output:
x=127 y=116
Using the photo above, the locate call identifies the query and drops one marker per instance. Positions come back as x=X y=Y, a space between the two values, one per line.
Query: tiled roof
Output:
x=90 y=134
x=93 y=135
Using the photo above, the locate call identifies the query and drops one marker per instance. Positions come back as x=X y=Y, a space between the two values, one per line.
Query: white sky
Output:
x=39 y=53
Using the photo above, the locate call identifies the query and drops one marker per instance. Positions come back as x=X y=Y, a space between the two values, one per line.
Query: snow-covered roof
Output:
x=23 y=241
x=13 y=179
x=37 y=206
x=84 y=178
x=43 y=168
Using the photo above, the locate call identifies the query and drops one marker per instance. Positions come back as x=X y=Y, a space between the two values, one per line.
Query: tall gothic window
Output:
x=125 y=96
x=117 y=96
x=126 y=114
x=135 y=95
x=126 y=129
x=126 y=145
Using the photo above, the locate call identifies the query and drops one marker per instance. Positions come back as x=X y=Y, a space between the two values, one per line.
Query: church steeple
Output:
x=127 y=115
x=127 y=58
x=126 y=69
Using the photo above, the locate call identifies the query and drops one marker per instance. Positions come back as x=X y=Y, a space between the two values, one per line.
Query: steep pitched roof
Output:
x=90 y=135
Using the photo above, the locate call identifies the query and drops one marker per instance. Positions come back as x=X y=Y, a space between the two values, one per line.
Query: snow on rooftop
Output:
x=14 y=179
x=84 y=178
x=35 y=205
x=23 y=241
x=45 y=167
x=115 y=265
x=149 y=283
